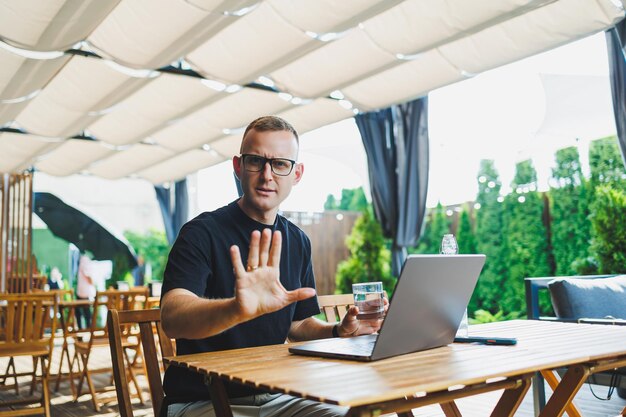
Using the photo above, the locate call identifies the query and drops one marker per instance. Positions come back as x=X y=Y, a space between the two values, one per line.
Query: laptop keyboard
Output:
x=349 y=346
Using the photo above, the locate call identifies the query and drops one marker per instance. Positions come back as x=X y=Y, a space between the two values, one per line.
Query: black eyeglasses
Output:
x=256 y=163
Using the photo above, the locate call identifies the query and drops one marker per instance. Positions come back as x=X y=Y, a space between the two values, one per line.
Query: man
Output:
x=212 y=303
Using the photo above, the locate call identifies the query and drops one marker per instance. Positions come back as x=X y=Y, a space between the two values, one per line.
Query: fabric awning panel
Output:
x=174 y=82
x=228 y=112
x=154 y=33
x=163 y=99
x=125 y=163
x=19 y=151
x=180 y=166
x=51 y=25
x=73 y=156
x=72 y=100
x=21 y=77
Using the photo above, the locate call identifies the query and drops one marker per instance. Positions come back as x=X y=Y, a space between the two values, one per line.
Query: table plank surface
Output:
x=541 y=345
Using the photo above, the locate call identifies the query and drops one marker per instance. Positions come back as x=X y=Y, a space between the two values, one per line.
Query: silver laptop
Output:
x=424 y=312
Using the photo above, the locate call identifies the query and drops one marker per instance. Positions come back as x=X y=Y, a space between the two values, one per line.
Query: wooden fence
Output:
x=16 y=208
x=328 y=232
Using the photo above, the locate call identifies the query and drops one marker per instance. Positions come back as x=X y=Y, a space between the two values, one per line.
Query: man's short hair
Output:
x=269 y=124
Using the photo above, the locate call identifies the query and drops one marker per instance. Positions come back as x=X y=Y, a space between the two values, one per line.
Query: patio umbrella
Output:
x=72 y=225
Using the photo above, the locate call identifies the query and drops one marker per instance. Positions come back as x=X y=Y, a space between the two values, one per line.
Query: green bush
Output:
x=484 y=316
x=369 y=258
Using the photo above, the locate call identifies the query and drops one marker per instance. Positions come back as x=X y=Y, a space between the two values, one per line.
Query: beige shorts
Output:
x=263 y=405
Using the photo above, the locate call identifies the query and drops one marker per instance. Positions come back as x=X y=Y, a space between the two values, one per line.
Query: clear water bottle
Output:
x=450 y=247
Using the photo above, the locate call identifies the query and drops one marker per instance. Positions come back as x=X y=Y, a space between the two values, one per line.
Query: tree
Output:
x=359 y=201
x=154 y=248
x=369 y=258
x=437 y=225
x=606 y=167
x=465 y=236
x=608 y=217
x=525 y=239
x=570 y=230
x=567 y=172
x=352 y=199
x=331 y=203
x=605 y=162
x=489 y=240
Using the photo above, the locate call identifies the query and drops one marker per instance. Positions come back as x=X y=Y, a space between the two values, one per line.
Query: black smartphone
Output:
x=487 y=340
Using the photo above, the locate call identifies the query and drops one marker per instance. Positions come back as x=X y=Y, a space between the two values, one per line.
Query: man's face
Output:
x=264 y=190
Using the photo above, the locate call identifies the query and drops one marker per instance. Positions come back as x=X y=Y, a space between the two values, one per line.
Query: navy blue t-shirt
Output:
x=200 y=262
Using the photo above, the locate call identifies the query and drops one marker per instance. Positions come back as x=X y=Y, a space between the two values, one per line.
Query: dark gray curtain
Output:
x=396 y=143
x=174 y=204
x=615 y=39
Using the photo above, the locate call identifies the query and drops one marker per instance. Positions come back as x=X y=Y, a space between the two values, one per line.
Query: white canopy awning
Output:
x=90 y=83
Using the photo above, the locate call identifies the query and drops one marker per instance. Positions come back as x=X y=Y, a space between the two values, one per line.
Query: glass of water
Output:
x=368 y=297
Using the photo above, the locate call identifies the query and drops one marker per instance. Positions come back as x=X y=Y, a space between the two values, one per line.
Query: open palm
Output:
x=258 y=289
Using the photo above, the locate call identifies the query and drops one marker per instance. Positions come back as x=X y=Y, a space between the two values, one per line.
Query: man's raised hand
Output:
x=258 y=289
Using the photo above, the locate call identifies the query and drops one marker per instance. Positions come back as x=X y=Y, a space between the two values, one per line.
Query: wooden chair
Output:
x=153 y=302
x=99 y=338
x=10 y=369
x=23 y=319
x=71 y=331
x=148 y=321
x=336 y=306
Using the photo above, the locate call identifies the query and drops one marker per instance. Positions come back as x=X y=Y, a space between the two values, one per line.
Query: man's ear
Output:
x=237 y=165
x=299 y=169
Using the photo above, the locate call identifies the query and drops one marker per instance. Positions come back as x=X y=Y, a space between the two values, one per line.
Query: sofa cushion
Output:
x=574 y=298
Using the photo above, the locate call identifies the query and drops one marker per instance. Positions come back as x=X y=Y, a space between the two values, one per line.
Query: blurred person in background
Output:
x=85 y=290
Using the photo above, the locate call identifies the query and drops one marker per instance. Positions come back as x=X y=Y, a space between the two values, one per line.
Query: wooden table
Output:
x=434 y=376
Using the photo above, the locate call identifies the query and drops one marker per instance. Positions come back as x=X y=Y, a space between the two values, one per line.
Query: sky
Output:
x=527 y=109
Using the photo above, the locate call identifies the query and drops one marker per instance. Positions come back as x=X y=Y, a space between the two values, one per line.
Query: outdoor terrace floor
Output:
x=481 y=405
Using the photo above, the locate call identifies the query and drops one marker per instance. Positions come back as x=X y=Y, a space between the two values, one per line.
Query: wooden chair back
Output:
x=336 y=306
x=153 y=302
x=59 y=295
x=20 y=284
x=119 y=300
x=147 y=320
x=23 y=319
x=62 y=295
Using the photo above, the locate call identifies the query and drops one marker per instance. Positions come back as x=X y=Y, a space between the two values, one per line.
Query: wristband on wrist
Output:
x=336 y=330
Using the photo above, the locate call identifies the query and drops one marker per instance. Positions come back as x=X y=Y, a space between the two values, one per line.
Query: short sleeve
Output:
x=188 y=265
